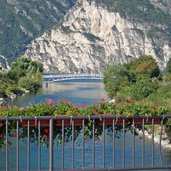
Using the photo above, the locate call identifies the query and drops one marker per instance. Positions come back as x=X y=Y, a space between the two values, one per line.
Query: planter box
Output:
x=78 y=122
x=118 y=122
x=67 y=122
x=33 y=123
x=147 y=121
x=57 y=122
x=137 y=121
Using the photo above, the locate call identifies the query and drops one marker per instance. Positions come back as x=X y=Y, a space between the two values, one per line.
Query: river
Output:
x=79 y=92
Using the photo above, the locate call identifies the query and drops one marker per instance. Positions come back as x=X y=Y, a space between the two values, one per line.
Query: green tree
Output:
x=136 y=79
x=24 y=67
x=116 y=78
x=168 y=66
x=144 y=65
x=143 y=87
x=31 y=83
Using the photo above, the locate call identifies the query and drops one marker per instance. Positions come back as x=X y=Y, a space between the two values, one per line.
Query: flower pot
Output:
x=34 y=123
x=117 y=121
x=147 y=121
x=68 y=122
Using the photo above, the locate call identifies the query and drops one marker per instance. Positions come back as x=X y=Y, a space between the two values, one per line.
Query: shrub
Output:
x=168 y=66
x=116 y=78
x=143 y=87
x=144 y=65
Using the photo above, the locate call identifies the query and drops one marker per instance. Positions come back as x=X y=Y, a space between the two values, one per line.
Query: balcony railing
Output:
x=87 y=130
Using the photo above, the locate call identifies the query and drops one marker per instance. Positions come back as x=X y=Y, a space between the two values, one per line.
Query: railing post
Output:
x=28 y=145
x=39 y=147
x=51 y=145
x=17 y=146
x=6 y=144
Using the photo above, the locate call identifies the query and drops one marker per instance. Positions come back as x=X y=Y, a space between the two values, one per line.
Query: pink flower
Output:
x=73 y=104
x=84 y=105
x=45 y=136
x=14 y=135
x=50 y=102
x=103 y=100
x=66 y=101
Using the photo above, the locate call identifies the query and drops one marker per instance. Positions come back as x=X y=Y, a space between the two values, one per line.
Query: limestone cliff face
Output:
x=164 y=5
x=90 y=36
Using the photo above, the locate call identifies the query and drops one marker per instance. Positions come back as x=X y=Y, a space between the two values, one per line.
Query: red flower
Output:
x=129 y=99
x=152 y=111
x=157 y=105
x=66 y=101
x=46 y=130
x=76 y=108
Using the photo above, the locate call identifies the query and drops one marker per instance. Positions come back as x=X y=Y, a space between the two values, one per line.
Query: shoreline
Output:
x=165 y=141
x=4 y=100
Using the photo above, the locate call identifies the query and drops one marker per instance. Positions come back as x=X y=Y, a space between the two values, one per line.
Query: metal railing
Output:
x=61 y=77
x=51 y=128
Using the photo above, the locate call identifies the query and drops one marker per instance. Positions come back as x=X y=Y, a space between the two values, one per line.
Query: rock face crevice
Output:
x=90 y=36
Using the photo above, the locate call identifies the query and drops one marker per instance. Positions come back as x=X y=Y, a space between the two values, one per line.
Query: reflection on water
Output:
x=79 y=92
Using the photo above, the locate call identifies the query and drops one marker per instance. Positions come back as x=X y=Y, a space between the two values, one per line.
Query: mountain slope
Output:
x=95 y=32
x=23 y=20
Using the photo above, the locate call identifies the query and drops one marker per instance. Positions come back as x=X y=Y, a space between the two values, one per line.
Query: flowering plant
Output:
x=64 y=107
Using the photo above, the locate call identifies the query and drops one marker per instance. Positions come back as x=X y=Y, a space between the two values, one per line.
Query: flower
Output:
x=50 y=102
x=46 y=130
x=157 y=105
x=84 y=105
x=103 y=100
x=129 y=99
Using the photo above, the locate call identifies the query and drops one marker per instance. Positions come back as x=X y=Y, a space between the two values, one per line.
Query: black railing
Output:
x=87 y=130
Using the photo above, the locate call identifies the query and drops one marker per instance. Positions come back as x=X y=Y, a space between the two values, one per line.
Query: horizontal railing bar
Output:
x=118 y=169
x=102 y=116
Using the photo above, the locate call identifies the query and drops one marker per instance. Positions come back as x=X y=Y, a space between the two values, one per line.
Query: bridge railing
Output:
x=104 y=142
x=70 y=75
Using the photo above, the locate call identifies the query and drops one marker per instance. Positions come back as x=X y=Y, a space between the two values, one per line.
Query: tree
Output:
x=116 y=78
x=134 y=79
x=31 y=83
x=143 y=87
x=24 y=66
x=168 y=66
x=144 y=65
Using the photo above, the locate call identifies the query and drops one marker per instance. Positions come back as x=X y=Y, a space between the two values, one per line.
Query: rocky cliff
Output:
x=93 y=33
x=23 y=20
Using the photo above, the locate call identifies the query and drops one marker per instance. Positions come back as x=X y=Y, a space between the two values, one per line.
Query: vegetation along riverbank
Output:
x=23 y=76
x=140 y=81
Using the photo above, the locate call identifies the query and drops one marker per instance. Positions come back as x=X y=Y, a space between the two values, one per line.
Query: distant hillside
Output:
x=96 y=32
x=84 y=35
x=23 y=20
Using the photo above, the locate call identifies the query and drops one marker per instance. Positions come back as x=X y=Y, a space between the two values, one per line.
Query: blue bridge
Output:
x=48 y=78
